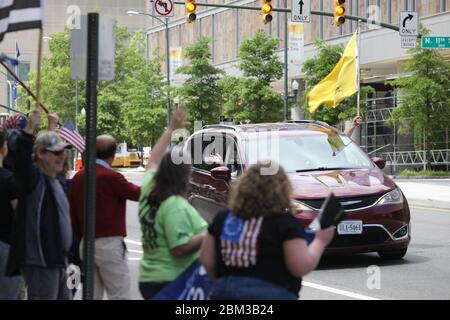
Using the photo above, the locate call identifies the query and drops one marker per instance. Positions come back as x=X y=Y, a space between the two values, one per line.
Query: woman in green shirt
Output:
x=172 y=230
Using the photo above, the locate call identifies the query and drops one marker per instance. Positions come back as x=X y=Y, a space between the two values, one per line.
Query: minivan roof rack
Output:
x=309 y=121
x=228 y=126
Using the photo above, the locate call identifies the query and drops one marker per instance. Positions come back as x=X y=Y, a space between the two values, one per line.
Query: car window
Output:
x=232 y=159
x=306 y=151
x=207 y=150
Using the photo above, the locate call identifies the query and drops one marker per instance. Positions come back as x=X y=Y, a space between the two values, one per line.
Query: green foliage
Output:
x=424 y=173
x=425 y=93
x=319 y=67
x=131 y=107
x=251 y=99
x=201 y=93
x=258 y=58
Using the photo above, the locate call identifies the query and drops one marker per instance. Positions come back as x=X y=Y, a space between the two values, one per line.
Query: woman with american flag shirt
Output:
x=256 y=249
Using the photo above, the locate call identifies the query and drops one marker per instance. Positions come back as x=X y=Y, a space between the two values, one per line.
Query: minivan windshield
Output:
x=305 y=151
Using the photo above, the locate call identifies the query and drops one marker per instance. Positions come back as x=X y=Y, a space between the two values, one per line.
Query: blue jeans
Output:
x=248 y=288
x=10 y=287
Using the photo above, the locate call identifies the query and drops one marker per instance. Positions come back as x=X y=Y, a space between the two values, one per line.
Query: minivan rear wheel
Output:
x=393 y=254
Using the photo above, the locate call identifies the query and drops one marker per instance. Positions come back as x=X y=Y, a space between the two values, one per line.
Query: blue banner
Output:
x=192 y=284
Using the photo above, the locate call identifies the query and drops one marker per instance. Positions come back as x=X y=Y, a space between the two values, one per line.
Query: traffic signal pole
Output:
x=286 y=11
x=313 y=12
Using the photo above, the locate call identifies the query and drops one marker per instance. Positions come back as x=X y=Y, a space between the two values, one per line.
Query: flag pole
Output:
x=38 y=75
x=358 y=65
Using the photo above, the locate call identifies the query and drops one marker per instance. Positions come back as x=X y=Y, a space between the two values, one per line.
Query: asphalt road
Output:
x=424 y=273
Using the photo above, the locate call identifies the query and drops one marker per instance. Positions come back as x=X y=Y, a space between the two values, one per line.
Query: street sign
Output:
x=409 y=23
x=106 y=49
x=432 y=42
x=301 y=11
x=296 y=43
x=163 y=8
x=409 y=42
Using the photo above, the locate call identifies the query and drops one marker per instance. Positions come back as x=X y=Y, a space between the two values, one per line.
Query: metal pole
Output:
x=75 y=154
x=90 y=178
x=285 y=63
x=10 y=93
x=358 y=71
x=168 y=69
x=76 y=104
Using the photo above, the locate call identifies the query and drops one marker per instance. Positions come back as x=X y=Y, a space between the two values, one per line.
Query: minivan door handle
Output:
x=209 y=187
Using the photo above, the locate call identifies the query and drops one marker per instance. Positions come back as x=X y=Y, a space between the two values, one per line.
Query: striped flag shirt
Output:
x=72 y=136
x=239 y=241
x=20 y=15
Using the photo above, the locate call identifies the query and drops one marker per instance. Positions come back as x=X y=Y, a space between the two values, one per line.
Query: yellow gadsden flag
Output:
x=340 y=84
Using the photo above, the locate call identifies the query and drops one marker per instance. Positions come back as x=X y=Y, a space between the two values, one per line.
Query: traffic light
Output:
x=266 y=9
x=339 y=12
x=191 y=6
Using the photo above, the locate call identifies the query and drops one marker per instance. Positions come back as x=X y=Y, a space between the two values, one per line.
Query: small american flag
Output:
x=72 y=136
x=239 y=241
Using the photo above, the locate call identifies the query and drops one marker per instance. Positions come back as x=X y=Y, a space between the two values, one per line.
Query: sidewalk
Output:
x=433 y=193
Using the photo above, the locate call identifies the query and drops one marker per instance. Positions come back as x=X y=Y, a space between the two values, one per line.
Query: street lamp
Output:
x=166 y=25
x=294 y=86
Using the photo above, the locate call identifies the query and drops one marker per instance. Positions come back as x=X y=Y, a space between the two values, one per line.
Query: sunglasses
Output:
x=57 y=153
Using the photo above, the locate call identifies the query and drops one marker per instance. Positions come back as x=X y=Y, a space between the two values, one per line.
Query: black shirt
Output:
x=254 y=247
x=50 y=230
x=8 y=192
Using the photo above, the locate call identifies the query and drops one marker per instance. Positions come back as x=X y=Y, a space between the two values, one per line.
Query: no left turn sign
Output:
x=163 y=8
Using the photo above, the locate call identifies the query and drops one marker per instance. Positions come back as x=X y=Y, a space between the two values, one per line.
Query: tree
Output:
x=251 y=99
x=130 y=107
x=201 y=93
x=425 y=106
x=315 y=70
x=258 y=58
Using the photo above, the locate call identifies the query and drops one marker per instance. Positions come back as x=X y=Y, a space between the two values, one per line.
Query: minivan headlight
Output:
x=393 y=197
x=298 y=205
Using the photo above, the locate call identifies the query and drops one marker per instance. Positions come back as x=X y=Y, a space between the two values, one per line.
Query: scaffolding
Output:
x=381 y=139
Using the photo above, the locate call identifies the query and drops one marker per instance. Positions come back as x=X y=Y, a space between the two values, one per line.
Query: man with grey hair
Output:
x=42 y=234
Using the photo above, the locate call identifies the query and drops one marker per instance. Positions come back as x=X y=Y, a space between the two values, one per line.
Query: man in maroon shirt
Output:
x=111 y=266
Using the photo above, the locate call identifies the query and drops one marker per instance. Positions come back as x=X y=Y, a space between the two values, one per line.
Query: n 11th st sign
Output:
x=301 y=11
x=435 y=42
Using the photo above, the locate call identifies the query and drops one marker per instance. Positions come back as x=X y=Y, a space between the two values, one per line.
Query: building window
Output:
x=321 y=20
x=389 y=11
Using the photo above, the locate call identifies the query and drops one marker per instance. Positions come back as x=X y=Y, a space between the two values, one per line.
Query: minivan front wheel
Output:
x=393 y=254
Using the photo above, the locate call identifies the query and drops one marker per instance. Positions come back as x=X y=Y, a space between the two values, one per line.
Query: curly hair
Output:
x=257 y=195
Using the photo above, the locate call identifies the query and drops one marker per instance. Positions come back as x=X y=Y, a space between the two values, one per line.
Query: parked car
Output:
x=318 y=160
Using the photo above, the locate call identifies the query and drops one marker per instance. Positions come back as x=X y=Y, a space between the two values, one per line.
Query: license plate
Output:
x=350 y=227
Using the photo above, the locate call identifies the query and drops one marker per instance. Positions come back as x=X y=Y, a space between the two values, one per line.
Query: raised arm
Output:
x=177 y=121
x=355 y=123
x=24 y=171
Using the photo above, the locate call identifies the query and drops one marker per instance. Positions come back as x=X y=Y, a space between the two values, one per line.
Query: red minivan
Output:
x=318 y=160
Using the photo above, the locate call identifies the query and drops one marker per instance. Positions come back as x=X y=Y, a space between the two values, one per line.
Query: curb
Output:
x=430 y=203
x=419 y=178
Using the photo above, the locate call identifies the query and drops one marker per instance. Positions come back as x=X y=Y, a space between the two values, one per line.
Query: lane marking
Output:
x=133 y=242
x=305 y=283
x=430 y=209
x=135 y=251
x=338 y=291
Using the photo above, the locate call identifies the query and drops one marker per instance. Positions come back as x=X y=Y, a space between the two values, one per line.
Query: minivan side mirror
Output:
x=221 y=173
x=380 y=162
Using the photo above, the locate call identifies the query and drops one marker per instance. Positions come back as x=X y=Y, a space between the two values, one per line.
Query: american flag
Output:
x=239 y=241
x=72 y=136
x=15 y=87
